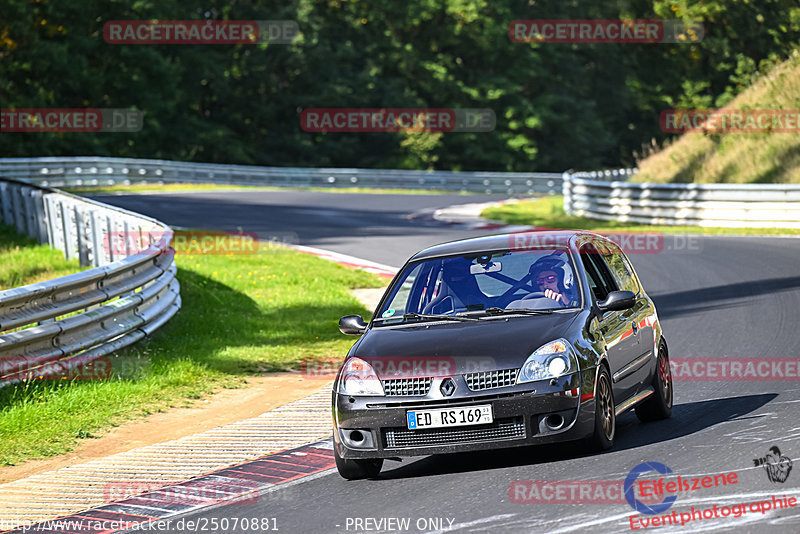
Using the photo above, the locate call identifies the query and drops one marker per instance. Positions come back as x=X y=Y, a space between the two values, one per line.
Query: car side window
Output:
x=600 y=279
x=620 y=268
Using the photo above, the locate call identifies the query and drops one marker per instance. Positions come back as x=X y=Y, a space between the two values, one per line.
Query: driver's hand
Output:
x=558 y=297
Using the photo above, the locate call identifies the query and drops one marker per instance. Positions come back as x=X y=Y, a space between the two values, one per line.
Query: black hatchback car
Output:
x=500 y=341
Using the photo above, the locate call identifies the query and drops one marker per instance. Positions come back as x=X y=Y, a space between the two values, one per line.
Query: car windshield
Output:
x=483 y=284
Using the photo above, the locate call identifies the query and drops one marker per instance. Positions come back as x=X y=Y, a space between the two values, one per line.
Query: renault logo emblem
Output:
x=448 y=387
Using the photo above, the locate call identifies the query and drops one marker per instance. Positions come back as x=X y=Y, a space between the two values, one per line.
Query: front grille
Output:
x=500 y=430
x=440 y=403
x=403 y=387
x=491 y=379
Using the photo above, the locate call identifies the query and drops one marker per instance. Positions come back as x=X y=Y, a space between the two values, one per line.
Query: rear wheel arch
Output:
x=659 y=405
x=661 y=341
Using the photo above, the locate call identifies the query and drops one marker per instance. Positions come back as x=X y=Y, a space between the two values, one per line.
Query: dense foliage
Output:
x=558 y=106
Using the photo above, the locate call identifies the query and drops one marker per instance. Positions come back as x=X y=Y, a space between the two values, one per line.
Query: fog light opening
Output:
x=554 y=421
x=356 y=436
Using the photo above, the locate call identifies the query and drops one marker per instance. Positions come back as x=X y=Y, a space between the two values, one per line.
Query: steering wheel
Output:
x=542 y=302
x=534 y=295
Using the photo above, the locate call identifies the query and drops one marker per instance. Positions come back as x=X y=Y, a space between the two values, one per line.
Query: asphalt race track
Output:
x=717 y=297
x=351 y=224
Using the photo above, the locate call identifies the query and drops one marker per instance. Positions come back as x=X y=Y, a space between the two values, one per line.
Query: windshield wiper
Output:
x=436 y=316
x=514 y=311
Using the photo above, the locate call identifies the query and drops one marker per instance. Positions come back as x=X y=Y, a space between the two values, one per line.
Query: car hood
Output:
x=455 y=347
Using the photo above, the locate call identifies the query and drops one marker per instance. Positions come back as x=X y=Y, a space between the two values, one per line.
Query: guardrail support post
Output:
x=40 y=215
x=98 y=246
x=80 y=234
x=567 y=192
x=126 y=237
x=5 y=198
x=110 y=238
x=31 y=226
x=18 y=208
x=50 y=218
x=66 y=228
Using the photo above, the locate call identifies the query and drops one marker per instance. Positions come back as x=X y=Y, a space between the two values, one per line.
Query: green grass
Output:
x=763 y=157
x=242 y=315
x=548 y=212
x=187 y=188
x=24 y=261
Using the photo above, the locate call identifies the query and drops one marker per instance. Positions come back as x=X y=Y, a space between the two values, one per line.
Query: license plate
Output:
x=467 y=415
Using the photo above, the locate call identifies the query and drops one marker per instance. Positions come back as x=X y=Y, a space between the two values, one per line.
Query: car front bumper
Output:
x=519 y=413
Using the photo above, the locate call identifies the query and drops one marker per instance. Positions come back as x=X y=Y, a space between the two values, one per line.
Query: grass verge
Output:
x=24 y=261
x=242 y=316
x=761 y=156
x=548 y=212
x=188 y=188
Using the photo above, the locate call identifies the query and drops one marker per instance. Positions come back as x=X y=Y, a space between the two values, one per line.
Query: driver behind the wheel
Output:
x=548 y=281
x=547 y=276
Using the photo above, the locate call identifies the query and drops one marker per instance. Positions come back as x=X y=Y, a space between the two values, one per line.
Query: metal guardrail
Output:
x=724 y=205
x=51 y=328
x=614 y=174
x=78 y=171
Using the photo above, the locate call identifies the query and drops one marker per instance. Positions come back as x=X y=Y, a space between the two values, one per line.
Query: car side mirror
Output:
x=618 y=300
x=352 y=325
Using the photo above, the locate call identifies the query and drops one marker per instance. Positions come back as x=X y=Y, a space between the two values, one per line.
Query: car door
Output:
x=621 y=345
x=639 y=315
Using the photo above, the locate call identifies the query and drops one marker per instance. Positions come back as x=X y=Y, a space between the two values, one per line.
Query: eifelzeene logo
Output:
x=630 y=495
x=777 y=466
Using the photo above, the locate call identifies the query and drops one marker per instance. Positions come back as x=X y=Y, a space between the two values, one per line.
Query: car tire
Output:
x=605 y=419
x=357 y=469
x=658 y=406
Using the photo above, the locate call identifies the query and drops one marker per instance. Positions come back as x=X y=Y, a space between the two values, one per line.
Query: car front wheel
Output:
x=605 y=420
x=357 y=469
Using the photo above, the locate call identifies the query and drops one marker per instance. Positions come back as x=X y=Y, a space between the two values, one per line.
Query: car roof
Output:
x=516 y=241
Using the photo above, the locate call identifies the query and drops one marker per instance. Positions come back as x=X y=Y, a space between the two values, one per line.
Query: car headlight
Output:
x=358 y=378
x=551 y=360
